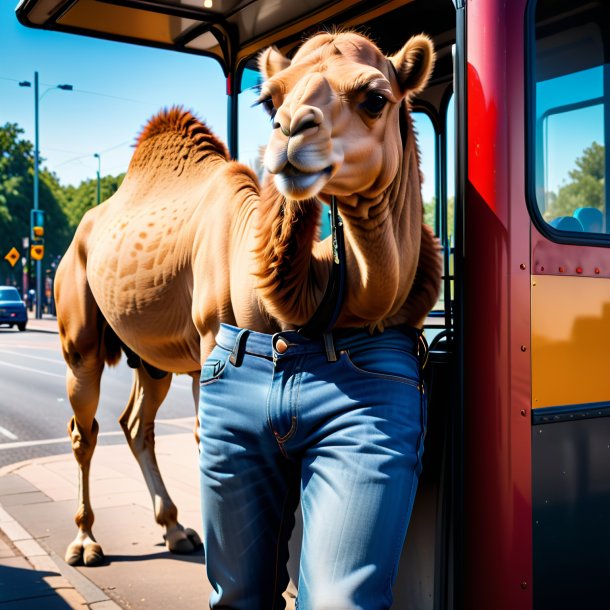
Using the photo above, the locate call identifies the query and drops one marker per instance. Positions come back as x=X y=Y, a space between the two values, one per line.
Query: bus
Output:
x=513 y=505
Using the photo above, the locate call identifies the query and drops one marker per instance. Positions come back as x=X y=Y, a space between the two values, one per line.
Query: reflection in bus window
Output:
x=571 y=120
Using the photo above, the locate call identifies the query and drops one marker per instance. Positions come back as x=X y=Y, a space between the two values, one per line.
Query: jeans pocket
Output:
x=214 y=366
x=389 y=364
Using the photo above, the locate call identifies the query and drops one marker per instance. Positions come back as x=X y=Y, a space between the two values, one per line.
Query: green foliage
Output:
x=430 y=216
x=79 y=199
x=586 y=188
x=63 y=206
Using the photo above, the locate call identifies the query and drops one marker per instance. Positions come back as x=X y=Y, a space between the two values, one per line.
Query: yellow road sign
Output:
x=37 y=252
x=12 y=257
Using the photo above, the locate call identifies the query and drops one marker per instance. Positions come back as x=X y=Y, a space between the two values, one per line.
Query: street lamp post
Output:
x=99 y=163
x=36 y=180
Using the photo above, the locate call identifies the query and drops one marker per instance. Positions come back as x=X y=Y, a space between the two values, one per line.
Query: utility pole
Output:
x=36 y=206
x=99 y=163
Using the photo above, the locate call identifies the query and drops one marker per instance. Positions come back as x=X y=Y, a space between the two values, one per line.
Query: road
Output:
x=34 y=408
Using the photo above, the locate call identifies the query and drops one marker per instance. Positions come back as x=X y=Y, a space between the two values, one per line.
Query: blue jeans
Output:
x=279 y=420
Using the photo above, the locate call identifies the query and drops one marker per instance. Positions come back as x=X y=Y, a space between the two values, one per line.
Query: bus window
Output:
x=426 y=139
x=253 y=123
x=571 y=119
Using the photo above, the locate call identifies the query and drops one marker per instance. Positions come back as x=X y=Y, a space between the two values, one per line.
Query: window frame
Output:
x=548 y=231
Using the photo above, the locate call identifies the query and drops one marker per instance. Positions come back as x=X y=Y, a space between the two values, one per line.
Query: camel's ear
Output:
x=414 y=64
x=271 y=61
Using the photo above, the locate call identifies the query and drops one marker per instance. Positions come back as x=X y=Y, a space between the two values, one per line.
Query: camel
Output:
x=191 y=240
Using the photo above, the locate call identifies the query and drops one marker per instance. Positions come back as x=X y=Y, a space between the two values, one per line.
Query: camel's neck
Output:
x=292 y=266
x=382 y=242
x=382 y=239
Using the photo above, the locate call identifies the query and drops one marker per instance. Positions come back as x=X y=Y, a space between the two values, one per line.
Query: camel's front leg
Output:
x=138 y=423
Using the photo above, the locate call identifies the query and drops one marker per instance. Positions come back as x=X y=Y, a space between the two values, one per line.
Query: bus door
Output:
x=569 y=98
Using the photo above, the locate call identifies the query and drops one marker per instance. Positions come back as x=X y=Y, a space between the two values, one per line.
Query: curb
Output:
x=74 y=588
x=42 y=330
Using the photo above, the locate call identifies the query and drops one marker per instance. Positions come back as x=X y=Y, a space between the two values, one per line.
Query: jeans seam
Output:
x=277 y=547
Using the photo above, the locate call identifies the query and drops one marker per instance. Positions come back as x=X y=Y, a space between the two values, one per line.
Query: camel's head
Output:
x=335 y=109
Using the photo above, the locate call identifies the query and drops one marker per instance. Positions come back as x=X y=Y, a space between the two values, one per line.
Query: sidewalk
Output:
x=46 y=324
x=38 y=499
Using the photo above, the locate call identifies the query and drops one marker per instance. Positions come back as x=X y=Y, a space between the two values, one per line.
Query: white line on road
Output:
x=24 y=355
x=8 y=434
x=178 y=422
x=27 y=368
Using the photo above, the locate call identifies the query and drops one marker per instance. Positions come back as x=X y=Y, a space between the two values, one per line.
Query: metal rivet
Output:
x=523 y=412
x=541 y=268
x=522 y=266
x=578 y=269
x=281 y=346
x=524 y=584
x=561 y=269
x=523 y=348
x=597 y=270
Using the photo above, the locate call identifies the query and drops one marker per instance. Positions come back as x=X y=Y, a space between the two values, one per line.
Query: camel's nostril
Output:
x=303 y=127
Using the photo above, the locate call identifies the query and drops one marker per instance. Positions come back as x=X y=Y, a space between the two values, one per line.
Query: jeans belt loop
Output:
x=237 y=352
x=329 y=345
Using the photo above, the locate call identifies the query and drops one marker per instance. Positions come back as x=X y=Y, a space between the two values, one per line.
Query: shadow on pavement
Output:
x=26 y=588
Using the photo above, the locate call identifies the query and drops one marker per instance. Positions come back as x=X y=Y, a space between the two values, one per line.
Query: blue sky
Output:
x=117 y=87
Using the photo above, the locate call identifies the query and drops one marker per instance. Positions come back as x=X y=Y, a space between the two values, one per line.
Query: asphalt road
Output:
x=34 y=408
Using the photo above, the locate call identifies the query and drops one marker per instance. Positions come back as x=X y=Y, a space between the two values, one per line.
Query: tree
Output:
x=586 y=188
x=16 y=201
x=79 y=199
x=430 y=215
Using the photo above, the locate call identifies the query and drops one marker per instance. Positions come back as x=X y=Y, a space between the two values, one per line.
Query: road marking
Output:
x=177 y=422
x=8 y=434
x=27 y=368
x=23 y=355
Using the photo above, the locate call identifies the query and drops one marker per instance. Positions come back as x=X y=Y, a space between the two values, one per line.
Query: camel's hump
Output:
x=183 y=123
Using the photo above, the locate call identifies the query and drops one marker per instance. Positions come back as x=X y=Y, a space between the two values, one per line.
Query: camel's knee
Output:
x=140 y=435
x=83 y=440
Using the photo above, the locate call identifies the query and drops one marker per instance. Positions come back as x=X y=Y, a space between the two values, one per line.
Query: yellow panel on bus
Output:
x=570 y=340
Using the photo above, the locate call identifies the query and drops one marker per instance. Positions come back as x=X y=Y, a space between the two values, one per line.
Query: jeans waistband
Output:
x=240 y=341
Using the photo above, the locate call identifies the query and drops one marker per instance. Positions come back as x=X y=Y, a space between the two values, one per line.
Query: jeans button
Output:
x=281 y=346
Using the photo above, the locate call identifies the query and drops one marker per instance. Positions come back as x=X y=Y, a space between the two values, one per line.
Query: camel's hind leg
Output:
x=138 y=423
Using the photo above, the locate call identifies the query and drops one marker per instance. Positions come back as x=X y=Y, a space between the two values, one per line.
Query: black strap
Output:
x=327 y=313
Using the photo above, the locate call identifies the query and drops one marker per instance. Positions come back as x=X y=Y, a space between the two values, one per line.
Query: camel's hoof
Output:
x=93 y=555
x=79 y=554
x=186 y=541
x=74 y=555
x=193 y=536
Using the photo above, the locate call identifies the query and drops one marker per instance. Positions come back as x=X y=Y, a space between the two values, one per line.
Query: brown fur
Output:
x=189 y=241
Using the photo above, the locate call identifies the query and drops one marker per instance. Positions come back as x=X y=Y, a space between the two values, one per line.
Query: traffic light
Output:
x=37 y=234
x=37 y=227
x=37 y=252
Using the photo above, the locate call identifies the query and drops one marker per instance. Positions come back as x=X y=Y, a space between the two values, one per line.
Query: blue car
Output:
x=12 y=308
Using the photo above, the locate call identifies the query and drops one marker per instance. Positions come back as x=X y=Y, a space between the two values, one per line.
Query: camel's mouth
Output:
x=296 y=184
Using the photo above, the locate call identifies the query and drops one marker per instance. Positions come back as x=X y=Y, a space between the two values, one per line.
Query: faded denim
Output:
x=345 y=436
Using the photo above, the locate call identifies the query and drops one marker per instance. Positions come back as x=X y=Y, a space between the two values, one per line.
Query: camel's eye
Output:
x=267 y=104
x=374 y=103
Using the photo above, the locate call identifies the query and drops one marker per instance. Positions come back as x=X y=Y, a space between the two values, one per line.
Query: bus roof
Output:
x=228 y=30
